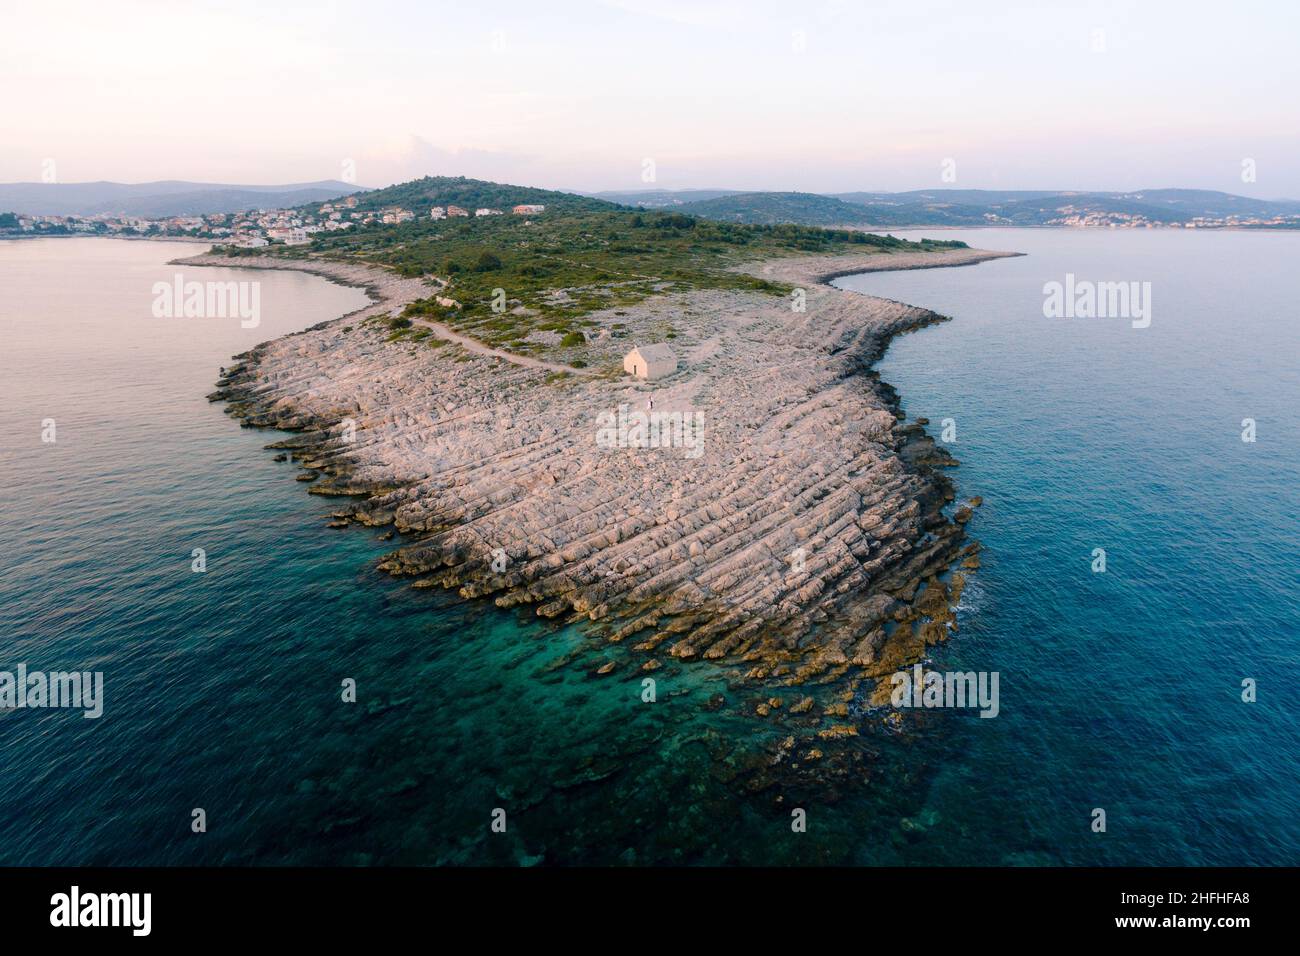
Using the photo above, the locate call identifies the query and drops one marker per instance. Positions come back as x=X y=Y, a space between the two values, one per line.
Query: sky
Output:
x=818 y=95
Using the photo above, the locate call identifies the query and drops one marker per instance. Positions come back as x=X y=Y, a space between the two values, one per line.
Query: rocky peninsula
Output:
x=805 y=541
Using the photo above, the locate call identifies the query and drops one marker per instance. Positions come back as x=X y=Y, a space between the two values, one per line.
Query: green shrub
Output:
x=487 y=262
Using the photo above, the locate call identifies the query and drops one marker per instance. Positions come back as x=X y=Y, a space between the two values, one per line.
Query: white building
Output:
x=487 y=212
x=650 y=361
x=437 y=212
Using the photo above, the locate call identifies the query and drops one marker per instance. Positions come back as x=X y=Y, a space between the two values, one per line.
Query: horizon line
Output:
x=648 y=190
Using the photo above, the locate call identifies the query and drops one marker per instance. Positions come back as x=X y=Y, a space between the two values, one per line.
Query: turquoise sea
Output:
x=1119 y=690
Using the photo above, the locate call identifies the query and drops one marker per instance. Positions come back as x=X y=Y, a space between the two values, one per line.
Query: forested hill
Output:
x=808 y=209
x=420 y=195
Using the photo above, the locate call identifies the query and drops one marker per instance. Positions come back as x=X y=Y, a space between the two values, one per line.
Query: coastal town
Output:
x=252 y=229
x=1072 y=217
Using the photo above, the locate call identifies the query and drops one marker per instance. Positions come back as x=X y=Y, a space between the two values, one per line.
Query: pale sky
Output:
x=818 y=96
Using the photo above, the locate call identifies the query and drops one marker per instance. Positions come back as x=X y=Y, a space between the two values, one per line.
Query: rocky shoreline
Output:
x=807 y=543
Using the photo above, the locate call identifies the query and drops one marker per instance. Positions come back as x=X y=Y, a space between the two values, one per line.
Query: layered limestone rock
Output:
x=769 y=509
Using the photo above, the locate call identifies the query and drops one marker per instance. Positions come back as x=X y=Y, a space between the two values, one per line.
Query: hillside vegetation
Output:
x=511 y=275
x=807 y=209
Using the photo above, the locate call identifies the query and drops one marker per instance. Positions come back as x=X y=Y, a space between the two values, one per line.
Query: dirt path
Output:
x=389 y=294
x=478 y=348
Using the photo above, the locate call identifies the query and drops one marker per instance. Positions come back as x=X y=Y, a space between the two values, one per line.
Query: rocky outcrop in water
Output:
x=772 y=510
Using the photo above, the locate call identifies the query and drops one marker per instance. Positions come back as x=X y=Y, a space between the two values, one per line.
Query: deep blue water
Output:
x=1119 y=690
x=1122 y=690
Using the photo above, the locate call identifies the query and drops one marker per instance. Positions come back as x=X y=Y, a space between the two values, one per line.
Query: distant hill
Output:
x=159 y=199
x=877 y=210
x=981 y=207
x=660 y=198
x=972 y=207
x=471 y=194
x=767 y=209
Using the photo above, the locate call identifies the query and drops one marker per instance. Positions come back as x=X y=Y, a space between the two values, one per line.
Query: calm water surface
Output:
x=1122 y=690
x=1119 y=690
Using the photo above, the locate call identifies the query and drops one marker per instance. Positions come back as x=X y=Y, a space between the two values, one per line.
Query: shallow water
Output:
x=223 y=688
